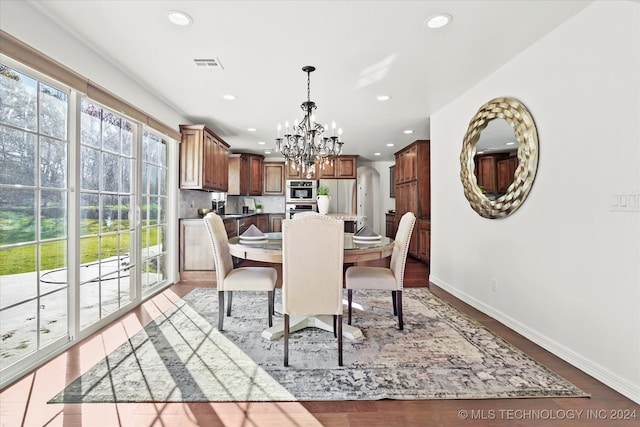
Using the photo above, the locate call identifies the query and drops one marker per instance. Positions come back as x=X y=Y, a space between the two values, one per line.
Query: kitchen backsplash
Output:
x=192 y=200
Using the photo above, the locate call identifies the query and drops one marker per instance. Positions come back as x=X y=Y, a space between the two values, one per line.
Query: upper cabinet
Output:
x=291 y=172
x=273 y=179
x=203 y=159
x=245 y=174
x=342 y=167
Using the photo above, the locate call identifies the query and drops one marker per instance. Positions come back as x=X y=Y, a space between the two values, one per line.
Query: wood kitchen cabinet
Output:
x=392 y=182
x=390 y=225
x=275 y=223
x=273 y=179
x=203 y=159
x=413 y=189
x=506 y=173
x=424 y=240
x=245 y=174
x=342 y=167
x=290 y=172
x=486 y=174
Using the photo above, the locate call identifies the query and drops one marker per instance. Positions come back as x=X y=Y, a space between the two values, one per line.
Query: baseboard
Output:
x=619 y=384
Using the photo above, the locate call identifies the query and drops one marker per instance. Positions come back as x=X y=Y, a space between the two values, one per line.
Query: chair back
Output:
x=401 y=247
x=312 y=260
x=220 y=243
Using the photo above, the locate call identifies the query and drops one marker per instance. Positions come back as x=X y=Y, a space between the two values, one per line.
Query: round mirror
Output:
x=499 y=158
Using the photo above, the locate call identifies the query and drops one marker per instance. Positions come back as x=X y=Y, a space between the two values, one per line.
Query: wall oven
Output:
x=301 y=191
x=294 y=208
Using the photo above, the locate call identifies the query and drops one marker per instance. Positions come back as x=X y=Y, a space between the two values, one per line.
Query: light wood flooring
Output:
x=24 y=402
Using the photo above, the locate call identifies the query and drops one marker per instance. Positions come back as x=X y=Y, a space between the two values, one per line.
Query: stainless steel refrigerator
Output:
x=342 y=193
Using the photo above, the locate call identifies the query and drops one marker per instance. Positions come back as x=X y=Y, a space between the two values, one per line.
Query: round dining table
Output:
x=269 y=249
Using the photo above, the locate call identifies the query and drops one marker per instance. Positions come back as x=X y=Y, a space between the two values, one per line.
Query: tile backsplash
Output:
x=192 y=200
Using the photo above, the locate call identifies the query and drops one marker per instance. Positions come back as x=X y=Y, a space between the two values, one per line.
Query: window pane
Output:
x=53 y=261
x=109 y=207
x=19 y=334
x=17 y=99
x=127 y=138
x=110 y=132
x=110 y=172
x=90 y=166
x=126 y=175
x=123 y=215
x=153 y=179
x=89 y=214
x=53 y=163
x=17 y=216
x=17 y=157
x=90 y=124
x=53 y=214
x=53 y=112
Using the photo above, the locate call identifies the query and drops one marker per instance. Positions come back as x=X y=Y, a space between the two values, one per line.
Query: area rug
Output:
x=440 y=354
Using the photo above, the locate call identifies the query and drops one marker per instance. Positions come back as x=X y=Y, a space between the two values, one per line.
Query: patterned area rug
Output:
x=440 y=354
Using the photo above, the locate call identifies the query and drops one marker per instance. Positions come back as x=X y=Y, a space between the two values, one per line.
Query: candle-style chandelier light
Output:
x=305 y=144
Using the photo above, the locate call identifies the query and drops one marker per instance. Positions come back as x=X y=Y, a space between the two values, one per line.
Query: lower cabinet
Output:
x=424 y=240
x=275 y=223
x=390 y=225
x=195 y=252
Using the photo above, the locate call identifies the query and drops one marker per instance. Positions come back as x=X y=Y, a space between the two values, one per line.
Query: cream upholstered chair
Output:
x=385 y=278
x=229 y=279
x=312 y=278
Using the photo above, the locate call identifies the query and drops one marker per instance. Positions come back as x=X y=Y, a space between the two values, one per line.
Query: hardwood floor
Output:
x=24 y=402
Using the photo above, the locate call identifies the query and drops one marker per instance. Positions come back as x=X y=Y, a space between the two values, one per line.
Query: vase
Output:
x=323 y=204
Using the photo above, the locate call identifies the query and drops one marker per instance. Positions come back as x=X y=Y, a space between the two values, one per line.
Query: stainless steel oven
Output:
x=301 y=191
x=293 y=208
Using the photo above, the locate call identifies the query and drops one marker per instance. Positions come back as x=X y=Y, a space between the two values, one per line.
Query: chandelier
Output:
x=305 y=144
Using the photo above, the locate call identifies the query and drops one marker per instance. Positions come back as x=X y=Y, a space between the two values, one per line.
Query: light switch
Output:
x=623 y=200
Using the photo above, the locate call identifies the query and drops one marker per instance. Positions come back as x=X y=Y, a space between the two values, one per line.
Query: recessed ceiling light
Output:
x=438 y=21
x=377 y=154
x=383 y=97
x=267 y=151
x=407 y=131
x=390 y=144
x=251 y=129
x=229 y=97
x=179 y=18
x=510 y=143
x=261 y=142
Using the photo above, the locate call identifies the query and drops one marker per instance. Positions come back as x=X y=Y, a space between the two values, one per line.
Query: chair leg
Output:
x=229 y=303
x=339 y=339
x=399 y=304
x=220 y=309
x=335 y=317
x=286 y=340
x=349 y=301
x=394 y=302
x=270 y=305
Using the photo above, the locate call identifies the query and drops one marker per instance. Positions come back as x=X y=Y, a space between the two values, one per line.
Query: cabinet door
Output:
x=255 y=175
x=424 y=240
x=487 y=178
x=209 y=162
x=326 y=169
x=506 y=173
x=191 y=159
x=221 y=159
x=262 y=222
x=346 y=167
x=276 y=223
x=196 y=253
x=392 y=181
x=273 y=178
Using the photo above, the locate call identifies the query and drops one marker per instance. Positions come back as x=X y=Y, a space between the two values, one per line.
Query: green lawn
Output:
x=53 y=254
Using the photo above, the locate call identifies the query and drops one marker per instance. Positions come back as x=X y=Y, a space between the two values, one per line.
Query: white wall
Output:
x=386 y=202
x=566 y=266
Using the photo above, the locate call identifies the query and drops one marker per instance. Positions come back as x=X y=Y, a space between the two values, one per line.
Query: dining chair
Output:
x=312 y=279
x=229 y=279
x=392 y=278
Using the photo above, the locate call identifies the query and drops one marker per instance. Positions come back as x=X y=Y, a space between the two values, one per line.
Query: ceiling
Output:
x=361 y=49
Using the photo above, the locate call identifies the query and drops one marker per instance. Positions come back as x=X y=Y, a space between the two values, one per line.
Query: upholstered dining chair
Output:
x=312 y=276
x=392 y=278
x=229 y=279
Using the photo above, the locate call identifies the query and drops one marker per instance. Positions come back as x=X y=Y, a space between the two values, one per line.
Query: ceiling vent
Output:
x=209 y=63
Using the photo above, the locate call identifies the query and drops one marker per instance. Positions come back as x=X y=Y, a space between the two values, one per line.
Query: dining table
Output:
x=269 y=249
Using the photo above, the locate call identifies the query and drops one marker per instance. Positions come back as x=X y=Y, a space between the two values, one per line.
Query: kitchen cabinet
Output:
x=273 y=179
x=390 y=225
x=195 y=254
x=290 y=172
x=424 y=240
x=262 y=222
x=342 y=167
x=245 y=174
x=486 y=174
x=275 y=223
x=203 y=159
x=413 y=189
x=392 y=181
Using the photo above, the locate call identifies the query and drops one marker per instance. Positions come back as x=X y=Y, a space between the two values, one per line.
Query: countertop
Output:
x=238 y=215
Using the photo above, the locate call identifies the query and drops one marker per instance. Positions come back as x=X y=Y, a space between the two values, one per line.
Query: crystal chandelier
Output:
x=305 y=144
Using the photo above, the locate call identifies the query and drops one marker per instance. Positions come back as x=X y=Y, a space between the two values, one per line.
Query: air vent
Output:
x=214 y=62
